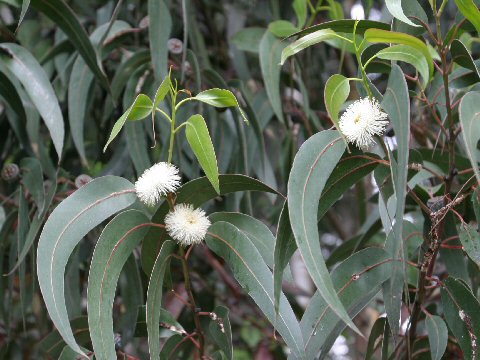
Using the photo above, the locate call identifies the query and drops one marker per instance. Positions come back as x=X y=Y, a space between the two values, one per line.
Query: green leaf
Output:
x=385 y=36
x=35 y=81
x=311 y=168
x=357 y=281
x=222 y=338
x=248 y=39
x=140 y=109
x=462 y=57
x=202 y=146
x=345 y=26
x=409 y=55
x=461 y=310
x=470 y=239
x=219 y=98
x=396 y=103
x=162 y=91
x=196 y=192
x=395 y=8
x=437 y=335
x=25 y=5
x=158 y=34
x=284 y=248
x=154 y=297
x=300 y=8
x=282 y=28
x=470 y=122
x=470 y=10
x=376 y=333
x=112 y=250
x=253 y=274
x=67 y=225
x=270 y=51
x=337 y=90
x=306 y=41
x=64 y=17
x=126 y=70
x=32 y=178
x=69 y=354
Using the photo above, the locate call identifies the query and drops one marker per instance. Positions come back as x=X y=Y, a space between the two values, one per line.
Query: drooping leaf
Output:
x=162 y=91
x=32 y=177
x=470 y=239
x=306 y=41
x=160 y=26
x=35 y=81
x=396 y=103
x=357 y=281
x=253 y=274
x=337 y=89
x=199 y=139
x=470 y=122
x=437 y=335
x=222 y=332
x=462 y=57
x=409 y=55
x=154 y=297
x=311 y=168
x=112 y=250
x=461 y=310
x=64 y=17
x=395 y=8
x=69 y=222
x=385 y=36
x=345 y=26
x=140 y=109
x=376 y=333
x=270 y=52
x=196 y=192
x=470 y=10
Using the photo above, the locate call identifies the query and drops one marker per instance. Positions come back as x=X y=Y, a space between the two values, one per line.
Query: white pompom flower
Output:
x=157 y=181
x=187 y=225
x=361 y=121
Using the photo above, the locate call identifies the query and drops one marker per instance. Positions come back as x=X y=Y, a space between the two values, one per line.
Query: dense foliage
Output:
x=239 y=179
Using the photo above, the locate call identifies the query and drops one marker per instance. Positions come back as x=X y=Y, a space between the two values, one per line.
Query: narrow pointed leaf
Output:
x=160 y=26
x=222 y=336
x=32 y=177
x=470 y=122
x=112 y=250
x=462 y=57
x=199 y=139
x=67 y=225
x=395 y=8
x=396 y=103
x=437 y=335
x=253 y=274
x=37 y=85
x=311 y=168
x=345 y=26
x=306 y=41
x=469 y=9
x=154 y=297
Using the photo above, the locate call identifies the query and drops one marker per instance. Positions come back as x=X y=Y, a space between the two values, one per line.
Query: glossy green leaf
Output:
x=196 y=192
x=337 y=90
x=284 y=248
x=270 y=52
x=461 y=310
x=140 y=109
x=253 y=274
x=409 y=55
x=462 y=57
x=470 y=239
x=282 y=28
x=112 y=250
x=37 y=85
x=162 y=91
x=159 y=30
x=32 y=178
x=307 y=41
x=470 y=122
x=311 y=168
x=223 y=338
x=469 y=9
x=385 y=36
x=437 y=335
x=64 y=17
x=345 y=26
x=357 y=281
x=154 y=297
x=219 y=98
x=396 y=103
x=67 y=225
x=395 y=8
x=199 y=139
